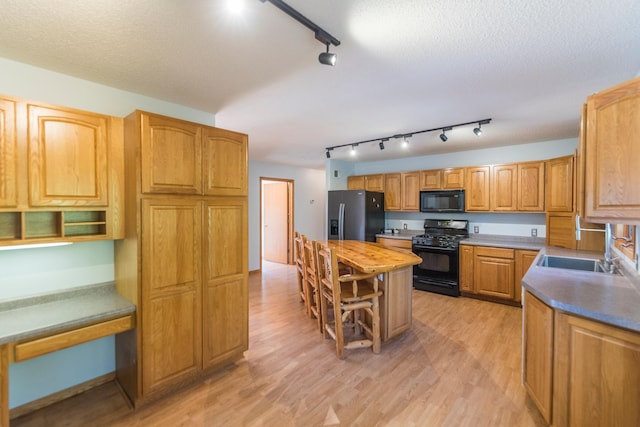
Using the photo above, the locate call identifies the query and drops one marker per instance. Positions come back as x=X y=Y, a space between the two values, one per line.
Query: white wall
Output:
x=309 y=199
x=33 y=271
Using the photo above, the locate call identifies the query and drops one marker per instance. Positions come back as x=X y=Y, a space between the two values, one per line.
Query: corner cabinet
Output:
x=184 y=261
x=611 y=155
x=61 y=174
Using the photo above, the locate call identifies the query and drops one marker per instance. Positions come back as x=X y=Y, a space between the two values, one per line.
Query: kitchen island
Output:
x=395 y=270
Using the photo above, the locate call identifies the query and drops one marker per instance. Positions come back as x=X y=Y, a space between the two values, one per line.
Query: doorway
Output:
x=276 y=220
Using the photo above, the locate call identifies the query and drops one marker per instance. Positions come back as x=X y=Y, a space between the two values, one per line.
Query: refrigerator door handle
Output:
x=341 y=222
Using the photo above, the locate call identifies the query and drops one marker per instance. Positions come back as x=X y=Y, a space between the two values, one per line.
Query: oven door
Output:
x=438 y=271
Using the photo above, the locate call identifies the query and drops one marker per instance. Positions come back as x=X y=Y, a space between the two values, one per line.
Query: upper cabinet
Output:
x=611 y=155
x=531 y=188
x=366 y=182
x=8 y=154
x=179 y=157
x=410 y=200
x=504 y=188
x=442 y=179
x=61 y=174
x=559 y=184
x=477 y=188
x=393 y=192
x=355 y=182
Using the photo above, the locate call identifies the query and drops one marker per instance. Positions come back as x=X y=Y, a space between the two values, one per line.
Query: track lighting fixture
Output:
x=327 y=58
x=321 y=35
x=405 y=136
x=328 y=154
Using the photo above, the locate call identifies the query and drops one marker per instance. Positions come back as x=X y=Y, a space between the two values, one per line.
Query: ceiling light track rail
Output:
x=321 y=35
x=404 y=136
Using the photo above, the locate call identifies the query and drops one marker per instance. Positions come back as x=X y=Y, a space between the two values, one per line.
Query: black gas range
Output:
x=438 y=249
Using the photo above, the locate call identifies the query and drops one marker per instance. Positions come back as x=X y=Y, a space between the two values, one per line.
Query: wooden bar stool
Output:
x=312 y=282
x=298 y=244
x=347 y=302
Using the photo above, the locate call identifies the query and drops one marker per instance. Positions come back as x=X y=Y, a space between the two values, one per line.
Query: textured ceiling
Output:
x=402 y=65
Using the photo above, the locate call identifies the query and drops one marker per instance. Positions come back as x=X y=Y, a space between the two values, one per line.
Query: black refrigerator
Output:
x=355 y=215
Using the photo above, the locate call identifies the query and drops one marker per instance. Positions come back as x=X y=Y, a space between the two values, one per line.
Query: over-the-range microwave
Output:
x=442 y=201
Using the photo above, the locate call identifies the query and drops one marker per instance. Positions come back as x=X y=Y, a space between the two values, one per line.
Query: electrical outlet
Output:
x=534 y=232
x=476 y=229
x=404 y=226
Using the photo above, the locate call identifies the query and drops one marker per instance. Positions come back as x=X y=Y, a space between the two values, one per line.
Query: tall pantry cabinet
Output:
x=184 y=259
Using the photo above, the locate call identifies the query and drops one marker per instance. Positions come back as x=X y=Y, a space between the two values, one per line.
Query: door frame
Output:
x=290 y=227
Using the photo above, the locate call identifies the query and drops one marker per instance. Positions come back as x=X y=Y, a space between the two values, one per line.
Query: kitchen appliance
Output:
x=355 y=215
x=442 y=201
x=438 y=249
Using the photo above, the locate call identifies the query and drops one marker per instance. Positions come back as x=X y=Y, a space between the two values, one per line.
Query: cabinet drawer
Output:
x=495 y=252
x=39 y=346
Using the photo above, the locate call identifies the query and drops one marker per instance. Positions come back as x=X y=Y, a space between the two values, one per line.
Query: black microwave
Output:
x=442 y=201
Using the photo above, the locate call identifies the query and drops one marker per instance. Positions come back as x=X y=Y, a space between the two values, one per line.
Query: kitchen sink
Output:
x=569 y=263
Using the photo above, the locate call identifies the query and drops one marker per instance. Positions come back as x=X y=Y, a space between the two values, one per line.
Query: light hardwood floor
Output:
x=459 y=365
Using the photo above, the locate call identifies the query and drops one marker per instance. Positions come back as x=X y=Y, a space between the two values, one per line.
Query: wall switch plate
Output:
x=534 y=232
x=476 y=229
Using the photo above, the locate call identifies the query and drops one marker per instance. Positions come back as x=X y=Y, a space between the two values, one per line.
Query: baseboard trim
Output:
x=27 y=408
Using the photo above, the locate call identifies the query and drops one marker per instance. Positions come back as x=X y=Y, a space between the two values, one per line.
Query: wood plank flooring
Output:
x=459 y=365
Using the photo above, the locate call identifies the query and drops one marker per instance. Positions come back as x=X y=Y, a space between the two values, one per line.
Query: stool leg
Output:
x=375 y=325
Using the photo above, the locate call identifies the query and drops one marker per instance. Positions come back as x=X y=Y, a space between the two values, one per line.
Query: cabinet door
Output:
x=392 y=194
x=225 y=162
x=538 y=353
x=524 y=259
x=504 y=188
x=171 y=292
x=8 y=155
x=453 y=178
x=466 y=268
x=612 y=155
x=170 y=155
x=494 y=272
x=596 y=378
x=355 y=182
x=410 y=192
x=477 y=188
x=374 y=183
x=68 y=157
x=559 y=185
x=225 y=326
x=431 y=179
x=531 y=186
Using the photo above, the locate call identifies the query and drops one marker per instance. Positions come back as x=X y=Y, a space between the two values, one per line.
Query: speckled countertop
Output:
x=43 y=314
x=612 y=299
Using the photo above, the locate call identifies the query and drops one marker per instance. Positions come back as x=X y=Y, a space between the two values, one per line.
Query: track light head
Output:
x=478 y=130
x=353 y=149
x=327 y=58
x=405 y=141
x=381 y=145
x=443 y=137
x=328 y=154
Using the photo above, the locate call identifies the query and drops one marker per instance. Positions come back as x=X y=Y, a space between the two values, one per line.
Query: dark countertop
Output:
x=612 y=299
x=48 y=313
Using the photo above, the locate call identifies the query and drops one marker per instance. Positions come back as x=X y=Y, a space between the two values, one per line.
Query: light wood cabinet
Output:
x=355 y=182
x=611 y=155
x=374 y=183
x=225 y=318
x=493 y=272
x=392 y=192
x=395 y=303
x=524 y=259
x=410 y=190
x=596 y=378
x=68 y=161
x=442 y=179
x=531 y=188
x=538 y=353
x=561 y=232
x=61 y=174
x=477 y=182
x=186 y=269
x=8 y=155
x=504 y=188
x=467 y=257
x=559 y=175
x=394 y=243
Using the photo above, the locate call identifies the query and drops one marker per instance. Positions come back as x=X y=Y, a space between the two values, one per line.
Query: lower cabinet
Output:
x=580 y=372
x=493 y=273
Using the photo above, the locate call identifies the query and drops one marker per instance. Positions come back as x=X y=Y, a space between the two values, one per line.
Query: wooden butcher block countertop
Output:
x=369 y=257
